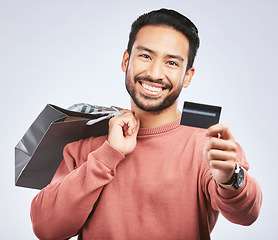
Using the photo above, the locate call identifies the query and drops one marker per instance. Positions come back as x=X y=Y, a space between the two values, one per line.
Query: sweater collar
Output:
x=160 y=129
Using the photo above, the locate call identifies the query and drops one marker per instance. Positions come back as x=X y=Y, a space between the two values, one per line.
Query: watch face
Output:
x=240 y=177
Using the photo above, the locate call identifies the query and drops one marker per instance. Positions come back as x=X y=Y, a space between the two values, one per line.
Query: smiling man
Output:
x=150 y=178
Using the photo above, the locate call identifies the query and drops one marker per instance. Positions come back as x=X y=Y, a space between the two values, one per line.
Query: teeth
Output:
x=150 y=88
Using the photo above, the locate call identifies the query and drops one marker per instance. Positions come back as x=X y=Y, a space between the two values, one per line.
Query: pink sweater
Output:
x=162 y=190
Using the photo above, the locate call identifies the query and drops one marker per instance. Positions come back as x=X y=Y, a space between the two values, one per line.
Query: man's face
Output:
x=156 y=68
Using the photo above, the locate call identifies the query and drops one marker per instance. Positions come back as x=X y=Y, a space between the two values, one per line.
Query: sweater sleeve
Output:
x=62 y=207
x=241 y=206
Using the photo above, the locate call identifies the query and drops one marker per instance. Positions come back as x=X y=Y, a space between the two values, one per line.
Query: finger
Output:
x=221 y=171
x=138 y=125
x=124 y=111
x=125 y=122
x=131 y=130
x=221 y=144
x=227 y=166
x=219 y=155
x=128 y=122
x=133 y=126
x=219 y=129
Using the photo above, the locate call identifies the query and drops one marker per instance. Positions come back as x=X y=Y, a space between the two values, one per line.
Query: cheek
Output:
x=176 y=78
x=138 y=67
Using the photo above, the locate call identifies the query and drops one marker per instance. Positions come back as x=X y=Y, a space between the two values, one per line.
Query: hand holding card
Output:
x=220 y=153
x=220 y=150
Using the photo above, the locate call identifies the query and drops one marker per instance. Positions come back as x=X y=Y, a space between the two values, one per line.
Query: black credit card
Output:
x=200 y=115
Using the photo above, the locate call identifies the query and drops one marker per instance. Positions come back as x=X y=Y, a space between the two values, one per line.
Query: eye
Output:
x=145 y=56
x=172 y=63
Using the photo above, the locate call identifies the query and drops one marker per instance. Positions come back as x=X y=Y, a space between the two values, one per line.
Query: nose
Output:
x=155 y=70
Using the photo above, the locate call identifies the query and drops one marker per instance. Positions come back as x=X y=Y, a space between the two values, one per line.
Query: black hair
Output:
x=172 y=19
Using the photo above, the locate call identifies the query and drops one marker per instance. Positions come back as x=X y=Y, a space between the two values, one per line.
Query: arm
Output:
x=60 y=209
x=241 y=206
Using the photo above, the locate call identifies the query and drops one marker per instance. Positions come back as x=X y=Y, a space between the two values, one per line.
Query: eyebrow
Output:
x=176 y=57
x=144 y=48
x=168 y=55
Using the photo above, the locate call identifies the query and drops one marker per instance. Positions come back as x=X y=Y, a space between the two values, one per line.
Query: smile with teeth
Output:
x=152 y=88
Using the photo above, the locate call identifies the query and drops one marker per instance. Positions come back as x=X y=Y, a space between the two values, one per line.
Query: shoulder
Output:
x=79 y=150
x=192 y=135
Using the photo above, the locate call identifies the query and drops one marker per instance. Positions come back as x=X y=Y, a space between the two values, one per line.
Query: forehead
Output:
x=162 y=39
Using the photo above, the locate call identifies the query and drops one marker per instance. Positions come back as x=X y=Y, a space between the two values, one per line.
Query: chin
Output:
x=153 y=107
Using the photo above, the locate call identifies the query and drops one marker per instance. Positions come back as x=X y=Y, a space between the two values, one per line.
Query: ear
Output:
x=125 y=61
x=188 y=76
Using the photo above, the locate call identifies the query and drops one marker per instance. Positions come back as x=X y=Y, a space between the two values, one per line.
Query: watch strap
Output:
x=232 y=185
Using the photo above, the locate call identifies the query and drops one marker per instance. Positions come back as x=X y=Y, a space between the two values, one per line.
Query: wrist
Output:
x=236 y=181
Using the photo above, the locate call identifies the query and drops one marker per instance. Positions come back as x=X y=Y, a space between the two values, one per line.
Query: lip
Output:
x=151 y=88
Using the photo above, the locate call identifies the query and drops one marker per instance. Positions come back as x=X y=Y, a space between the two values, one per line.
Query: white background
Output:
x=65 y=52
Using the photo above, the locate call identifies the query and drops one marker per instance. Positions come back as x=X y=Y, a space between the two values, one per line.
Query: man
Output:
x=150 y=178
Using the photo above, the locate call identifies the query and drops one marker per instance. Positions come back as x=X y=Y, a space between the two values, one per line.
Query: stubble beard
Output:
x=150 y=103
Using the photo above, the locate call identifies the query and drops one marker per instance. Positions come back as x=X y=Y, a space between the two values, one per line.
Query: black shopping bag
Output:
x=39 y=153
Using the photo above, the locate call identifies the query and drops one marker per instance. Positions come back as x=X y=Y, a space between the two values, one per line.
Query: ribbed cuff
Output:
x=108 y=156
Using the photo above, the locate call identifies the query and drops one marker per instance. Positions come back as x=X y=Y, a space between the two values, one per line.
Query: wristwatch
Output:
x=237 y=179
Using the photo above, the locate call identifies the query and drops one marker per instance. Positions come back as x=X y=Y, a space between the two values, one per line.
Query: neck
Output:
x=155 y=119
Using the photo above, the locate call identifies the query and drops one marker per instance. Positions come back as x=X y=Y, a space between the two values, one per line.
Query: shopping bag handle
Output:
x=110 y=115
